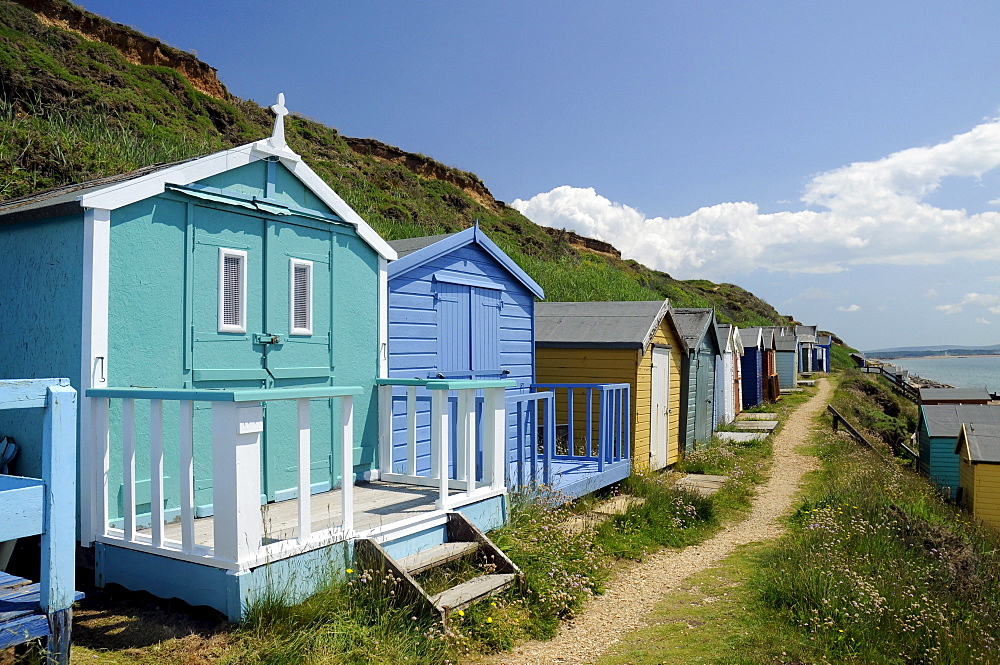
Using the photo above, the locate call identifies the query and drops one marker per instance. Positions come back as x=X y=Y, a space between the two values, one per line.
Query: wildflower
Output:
x=489 y=619
x=461 y=613
x=350 y=570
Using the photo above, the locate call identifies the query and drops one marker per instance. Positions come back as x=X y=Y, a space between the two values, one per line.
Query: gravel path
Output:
x=637 y=589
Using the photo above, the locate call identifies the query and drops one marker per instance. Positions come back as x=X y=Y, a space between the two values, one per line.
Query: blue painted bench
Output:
x=46 y=506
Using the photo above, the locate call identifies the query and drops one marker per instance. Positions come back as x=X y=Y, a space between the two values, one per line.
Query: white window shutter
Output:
x=232 y=290
x=300 y=313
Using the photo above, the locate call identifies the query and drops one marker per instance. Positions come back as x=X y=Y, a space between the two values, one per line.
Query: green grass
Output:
x=875 y=568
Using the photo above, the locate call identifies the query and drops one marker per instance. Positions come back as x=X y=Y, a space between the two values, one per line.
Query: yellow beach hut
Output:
x=978 y=448
x=619 y=342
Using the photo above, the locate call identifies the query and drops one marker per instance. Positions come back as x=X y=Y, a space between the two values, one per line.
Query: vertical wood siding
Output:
x=752 y=370
x=784 y=362
x=598 y=366
x=665 y=337
x=967 y=480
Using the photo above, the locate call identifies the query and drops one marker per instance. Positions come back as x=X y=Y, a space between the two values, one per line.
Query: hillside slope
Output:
x=82 y=97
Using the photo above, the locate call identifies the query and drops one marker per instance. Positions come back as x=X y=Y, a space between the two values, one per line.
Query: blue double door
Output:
x=261 y=317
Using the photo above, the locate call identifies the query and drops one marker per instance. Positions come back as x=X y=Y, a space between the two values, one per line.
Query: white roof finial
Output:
x=277 y=139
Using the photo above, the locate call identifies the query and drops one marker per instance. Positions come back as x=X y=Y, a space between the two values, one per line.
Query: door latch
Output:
x=264 y=338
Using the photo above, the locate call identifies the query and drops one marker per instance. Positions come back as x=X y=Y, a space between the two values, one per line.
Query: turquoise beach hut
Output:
x=938 y=426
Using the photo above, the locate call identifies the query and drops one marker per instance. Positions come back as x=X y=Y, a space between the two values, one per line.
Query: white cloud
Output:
x=869 y=213
x=930 y=293
x=852 y=308
x=982 y=321
x=989 y=301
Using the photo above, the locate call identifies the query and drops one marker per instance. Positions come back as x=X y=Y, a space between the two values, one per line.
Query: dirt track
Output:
x=637 y=589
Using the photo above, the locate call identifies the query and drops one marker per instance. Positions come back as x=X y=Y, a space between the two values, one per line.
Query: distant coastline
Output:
x=939 y=353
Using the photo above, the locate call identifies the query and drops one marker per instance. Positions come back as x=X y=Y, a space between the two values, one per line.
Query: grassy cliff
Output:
x=82 y=97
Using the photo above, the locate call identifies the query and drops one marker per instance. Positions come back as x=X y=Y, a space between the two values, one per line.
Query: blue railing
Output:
x=585 y=423
x=533 y=444
x=606 y=406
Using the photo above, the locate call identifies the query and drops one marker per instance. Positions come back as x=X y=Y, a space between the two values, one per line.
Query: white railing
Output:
x=237 y=421
x=467 y=481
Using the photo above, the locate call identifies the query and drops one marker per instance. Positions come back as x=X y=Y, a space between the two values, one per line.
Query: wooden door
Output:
x=261 y=317
x=659 y=409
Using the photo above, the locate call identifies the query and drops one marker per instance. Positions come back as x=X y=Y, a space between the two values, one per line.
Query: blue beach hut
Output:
x=752 y=366
x=459 y=308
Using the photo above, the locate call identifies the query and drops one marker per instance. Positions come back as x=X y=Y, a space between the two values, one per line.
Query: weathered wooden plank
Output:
x=27 y=393
x=463 y=595
x=23 y=629
x=23 y=500
x=436 y=556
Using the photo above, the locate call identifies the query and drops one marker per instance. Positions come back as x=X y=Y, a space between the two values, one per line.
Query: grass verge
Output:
x=874 y=568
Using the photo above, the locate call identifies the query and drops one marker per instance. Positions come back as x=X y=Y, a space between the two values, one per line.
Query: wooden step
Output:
x=436 y=556
x=465 y=594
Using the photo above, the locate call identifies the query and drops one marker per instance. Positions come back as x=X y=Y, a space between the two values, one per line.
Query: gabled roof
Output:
x=954 y=395
x=121 y=190
x=695 y=323
x=409 y=245
x=806 y=334
x=729 y=336
x=824 y=340
x=785 y=340
x=944 y=420
x=752 y=338
x=615 y=325
x=415 y=252
x=983 y=442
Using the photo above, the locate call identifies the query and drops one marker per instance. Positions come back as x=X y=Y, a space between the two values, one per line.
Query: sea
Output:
x=956 y=371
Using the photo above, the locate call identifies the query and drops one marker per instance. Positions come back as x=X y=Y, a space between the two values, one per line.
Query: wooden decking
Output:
x=376 y=504
x=575 y=478
x=21 y=615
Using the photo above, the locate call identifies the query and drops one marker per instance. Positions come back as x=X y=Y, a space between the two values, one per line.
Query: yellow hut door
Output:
x=659 y=405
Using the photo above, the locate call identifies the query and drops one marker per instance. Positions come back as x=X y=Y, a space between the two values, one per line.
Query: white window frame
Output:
x=242 y=255
x=292 y=265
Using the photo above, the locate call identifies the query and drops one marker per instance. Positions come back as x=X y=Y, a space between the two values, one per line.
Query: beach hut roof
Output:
x=983 y=441
x=117 y=191
x=751 y=337
x=954 y=395
x=785 y=341
x=946 y=419
x=806 y=333
x=692 y=323
x=414 y=252
x=615 y=324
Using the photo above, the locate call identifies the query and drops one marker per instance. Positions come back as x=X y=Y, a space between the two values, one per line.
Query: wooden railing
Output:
x=608 y=406
x=897 y=381
x=533 y=430
x=46 y=506
x=468 y=481
x=237 y=421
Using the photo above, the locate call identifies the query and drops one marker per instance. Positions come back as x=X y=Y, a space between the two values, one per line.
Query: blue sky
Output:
x=838 y=159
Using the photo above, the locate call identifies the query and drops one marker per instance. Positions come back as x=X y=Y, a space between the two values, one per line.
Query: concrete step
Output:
x=703 y=484
x=436 y=556
x=759 y=425
x=760 y=415
x=741 y=437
